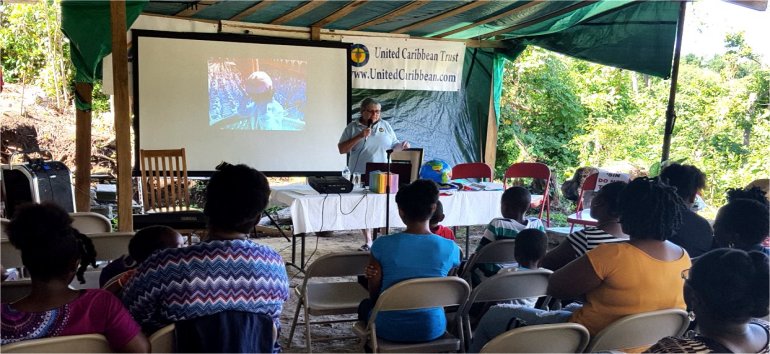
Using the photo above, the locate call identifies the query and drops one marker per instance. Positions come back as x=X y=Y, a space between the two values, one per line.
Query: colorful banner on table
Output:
x=406 y=64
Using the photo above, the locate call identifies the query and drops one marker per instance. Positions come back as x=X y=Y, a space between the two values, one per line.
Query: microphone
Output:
x=369 y=126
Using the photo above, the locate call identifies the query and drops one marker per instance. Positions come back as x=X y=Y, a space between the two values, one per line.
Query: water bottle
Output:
x=346 y=173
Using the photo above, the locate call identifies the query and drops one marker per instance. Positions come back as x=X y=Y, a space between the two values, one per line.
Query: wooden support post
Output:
x=122 y=114
x=84 y=92
x=490 y=146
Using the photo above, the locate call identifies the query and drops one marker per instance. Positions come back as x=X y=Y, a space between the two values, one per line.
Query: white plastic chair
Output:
x=13 y=290
x=549 y=338
x=639 y=330
x=330 y=298
x=110 y=245
x=86 y=343
x=415 y=294
x=89 y=223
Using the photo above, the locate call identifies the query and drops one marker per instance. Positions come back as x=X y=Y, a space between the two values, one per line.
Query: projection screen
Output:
x=277 y=105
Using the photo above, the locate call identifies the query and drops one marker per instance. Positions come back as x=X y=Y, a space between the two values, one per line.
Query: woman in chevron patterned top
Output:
x=227 y=272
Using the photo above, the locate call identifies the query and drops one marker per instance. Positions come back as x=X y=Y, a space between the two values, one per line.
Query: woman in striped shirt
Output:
x=606 y=210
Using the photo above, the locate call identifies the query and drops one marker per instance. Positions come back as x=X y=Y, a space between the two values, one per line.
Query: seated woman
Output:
x=605 y=208
x=51 y=253
x=226 y=272
x=144 y=243
x=414 y=253
x=743 y=223
x=617 y=279
x=726 y=290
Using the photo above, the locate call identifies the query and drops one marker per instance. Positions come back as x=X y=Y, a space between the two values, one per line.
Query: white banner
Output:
x=406 y=64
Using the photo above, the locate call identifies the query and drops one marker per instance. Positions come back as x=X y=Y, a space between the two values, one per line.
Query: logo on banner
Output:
x=359 y=55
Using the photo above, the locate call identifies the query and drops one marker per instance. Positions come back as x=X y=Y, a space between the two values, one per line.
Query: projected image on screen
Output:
x=257 y=94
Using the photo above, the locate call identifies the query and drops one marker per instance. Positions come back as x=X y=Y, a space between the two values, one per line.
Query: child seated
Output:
x=529 y=251
x=144 y=243
x=435 y=228
x=513 y=205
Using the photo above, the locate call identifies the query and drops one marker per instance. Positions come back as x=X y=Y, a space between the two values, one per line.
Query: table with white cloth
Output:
x=361 y=209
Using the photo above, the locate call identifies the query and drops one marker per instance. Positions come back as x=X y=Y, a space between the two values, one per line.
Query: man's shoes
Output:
x=364 y=248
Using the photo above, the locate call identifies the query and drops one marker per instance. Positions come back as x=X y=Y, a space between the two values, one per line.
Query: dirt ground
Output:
x=318 y=246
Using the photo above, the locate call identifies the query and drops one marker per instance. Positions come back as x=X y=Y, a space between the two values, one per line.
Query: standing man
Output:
x=367 y=140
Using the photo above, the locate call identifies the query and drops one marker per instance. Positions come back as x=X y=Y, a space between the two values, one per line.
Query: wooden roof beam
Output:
x=195 y=8
x=390 y=15
x=336 y=15
x=540 y=19
x=297 y=12
x=251 y=10
x=464 y=8
x=505 y=14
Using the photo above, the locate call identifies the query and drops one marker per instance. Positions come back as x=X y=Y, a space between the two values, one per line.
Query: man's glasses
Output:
x=373 y=111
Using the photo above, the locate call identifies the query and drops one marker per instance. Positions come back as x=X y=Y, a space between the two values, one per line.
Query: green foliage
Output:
x=569 y=113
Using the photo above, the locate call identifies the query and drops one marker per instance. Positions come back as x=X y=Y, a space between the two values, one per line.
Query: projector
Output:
x=330 y=184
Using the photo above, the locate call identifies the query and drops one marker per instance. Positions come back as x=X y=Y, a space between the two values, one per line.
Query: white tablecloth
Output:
x=313 y=212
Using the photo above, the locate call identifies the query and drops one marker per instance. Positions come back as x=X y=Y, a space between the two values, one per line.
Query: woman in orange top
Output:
x=618 y=279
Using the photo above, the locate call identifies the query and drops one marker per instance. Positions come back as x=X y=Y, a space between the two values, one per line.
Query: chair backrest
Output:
x=472 y=170
x=500 y=251
x=509 y=285
x=549 y=338
x=164 y=180
x=85 y=343
x=89 y=223
x=162 y=341
x=111 y=245
x=421 y=293
x=3 y=227
x=640 y=330
x=10 y=257
x=13 y=290
x=533 y=170
x=588 y=185
x=339 y=264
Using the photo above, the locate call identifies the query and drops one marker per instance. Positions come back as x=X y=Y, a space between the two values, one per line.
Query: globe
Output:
x=437 y=171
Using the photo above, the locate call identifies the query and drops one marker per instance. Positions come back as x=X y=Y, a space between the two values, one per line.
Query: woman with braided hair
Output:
x=616 y=279
x=51 y=252
x=727 y=290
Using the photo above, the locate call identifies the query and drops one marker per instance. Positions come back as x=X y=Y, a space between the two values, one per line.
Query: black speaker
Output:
x=38 y=181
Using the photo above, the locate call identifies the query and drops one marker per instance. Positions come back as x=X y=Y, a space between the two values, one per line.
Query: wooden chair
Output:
x=583 y=216
x=330 y=298
x=549 y=338
x=478 y=170
x=89 y=223
x=503 y=286
x=640 y=330
x=533 y=170
x=84 y=343
x=162 y=341
x=164 y=180
x=415 y=294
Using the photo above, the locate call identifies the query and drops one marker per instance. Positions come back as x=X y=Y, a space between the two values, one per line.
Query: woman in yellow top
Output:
x=618 y=279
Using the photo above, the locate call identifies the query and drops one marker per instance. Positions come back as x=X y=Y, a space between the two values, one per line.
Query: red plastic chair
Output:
x=533 y=170
x=472 y=170
x=581 y=217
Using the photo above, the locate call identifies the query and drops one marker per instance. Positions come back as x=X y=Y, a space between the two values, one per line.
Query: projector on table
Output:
x=330 y=184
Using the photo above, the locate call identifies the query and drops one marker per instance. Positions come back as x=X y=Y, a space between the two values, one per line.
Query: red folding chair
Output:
x=478 y=170
x=533 y=170
x=472 y=170
x=583 y=216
